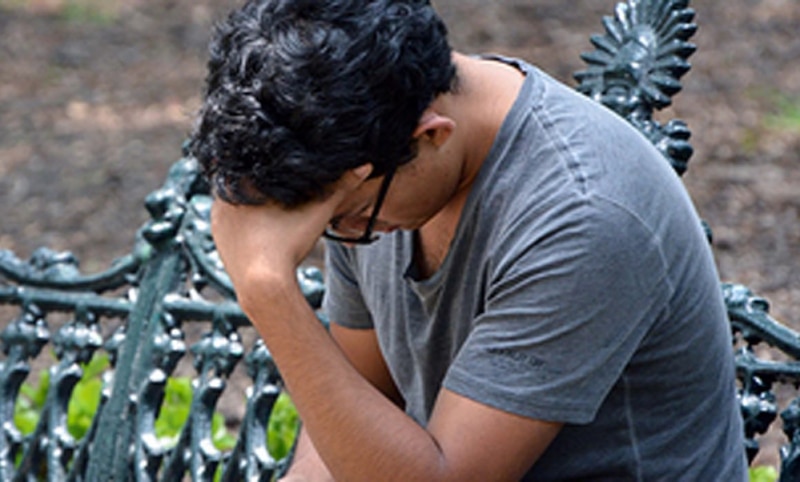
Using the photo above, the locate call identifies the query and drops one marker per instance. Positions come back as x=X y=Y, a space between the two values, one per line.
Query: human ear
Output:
x=434 y=127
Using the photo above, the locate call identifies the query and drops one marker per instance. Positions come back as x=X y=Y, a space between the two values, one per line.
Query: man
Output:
x=540 y=303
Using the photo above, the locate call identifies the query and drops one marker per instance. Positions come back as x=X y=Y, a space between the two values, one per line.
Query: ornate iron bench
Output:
x=173 y=281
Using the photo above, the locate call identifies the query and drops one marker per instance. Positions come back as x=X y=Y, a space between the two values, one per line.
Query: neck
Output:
x=485 y=94
x=486 y=91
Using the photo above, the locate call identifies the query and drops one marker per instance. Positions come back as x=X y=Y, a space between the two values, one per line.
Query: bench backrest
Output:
x=173 y=282
x=635 y=70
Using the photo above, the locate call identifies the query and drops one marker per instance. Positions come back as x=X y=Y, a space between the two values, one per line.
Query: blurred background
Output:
x=96 y=97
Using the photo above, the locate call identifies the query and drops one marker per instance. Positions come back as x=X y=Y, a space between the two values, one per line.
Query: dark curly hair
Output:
x=300 y=91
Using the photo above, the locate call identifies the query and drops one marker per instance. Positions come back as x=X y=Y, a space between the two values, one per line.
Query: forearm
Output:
x=306 y=463
x=358 y=432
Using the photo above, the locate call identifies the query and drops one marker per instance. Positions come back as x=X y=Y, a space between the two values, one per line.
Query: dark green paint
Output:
x=173 y=279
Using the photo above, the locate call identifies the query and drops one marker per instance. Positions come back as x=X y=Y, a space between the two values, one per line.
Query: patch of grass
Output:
x=782 y=117
x=787 y=117
x=97 y=12
x=100 y=12
x=785 y=111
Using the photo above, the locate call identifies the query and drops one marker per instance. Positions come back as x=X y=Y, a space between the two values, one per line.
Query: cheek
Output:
x=415 y=209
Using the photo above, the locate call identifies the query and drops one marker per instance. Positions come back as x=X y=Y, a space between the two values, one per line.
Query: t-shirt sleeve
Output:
x=563 y=316
x=343 y=302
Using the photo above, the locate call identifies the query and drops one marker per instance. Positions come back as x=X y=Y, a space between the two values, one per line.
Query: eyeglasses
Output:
x=368 y=237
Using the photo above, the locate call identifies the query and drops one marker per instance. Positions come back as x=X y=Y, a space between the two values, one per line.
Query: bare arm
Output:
x=361 y=349
x=359 y=433
x=307 y=466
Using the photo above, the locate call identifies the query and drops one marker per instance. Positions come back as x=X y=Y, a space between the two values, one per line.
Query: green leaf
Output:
x=174 y=411
x=29 y=403
x=37 y=394
x=220 y=436
x=179 y=391
x=282 y=427
x=86 y=396
x=763 y=473
x=172 y=417
x=26 y=420
x=96 y=366
x=83 y=406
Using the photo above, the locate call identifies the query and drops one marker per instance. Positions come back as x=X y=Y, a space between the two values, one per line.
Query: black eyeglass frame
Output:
x=368 y=237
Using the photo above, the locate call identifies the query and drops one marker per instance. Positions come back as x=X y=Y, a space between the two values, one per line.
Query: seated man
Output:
x=540 y=303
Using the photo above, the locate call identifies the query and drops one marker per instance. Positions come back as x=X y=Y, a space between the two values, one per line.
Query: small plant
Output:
x=30 y=403
x=175 y=411
x=86 y=397
x=82 y=405
x=763 y=474
x=173 y=415
x=282 y=428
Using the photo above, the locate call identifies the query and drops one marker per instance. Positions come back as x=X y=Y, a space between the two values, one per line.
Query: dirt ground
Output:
x=96 y=97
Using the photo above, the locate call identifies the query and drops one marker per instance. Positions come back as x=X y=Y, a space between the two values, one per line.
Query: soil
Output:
x=96 y=97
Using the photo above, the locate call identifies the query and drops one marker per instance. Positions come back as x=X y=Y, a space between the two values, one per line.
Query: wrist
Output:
x=259 y=288
x=307 y=472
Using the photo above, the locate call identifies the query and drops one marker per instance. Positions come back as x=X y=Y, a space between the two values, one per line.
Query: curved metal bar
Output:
x=180 y=307
x=201 y=250
x=251 y=459
x=53 y=300
x=635 y=69
x=22 y=340
x=48 y=269
x=749 y=315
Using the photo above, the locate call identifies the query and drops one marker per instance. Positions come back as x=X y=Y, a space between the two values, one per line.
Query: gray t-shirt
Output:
x=579 y=288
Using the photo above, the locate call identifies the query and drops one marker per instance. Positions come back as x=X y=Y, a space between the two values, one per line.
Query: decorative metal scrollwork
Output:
x=636 y=69
x=173 y=277
x=22 y=340
x=752 y=324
